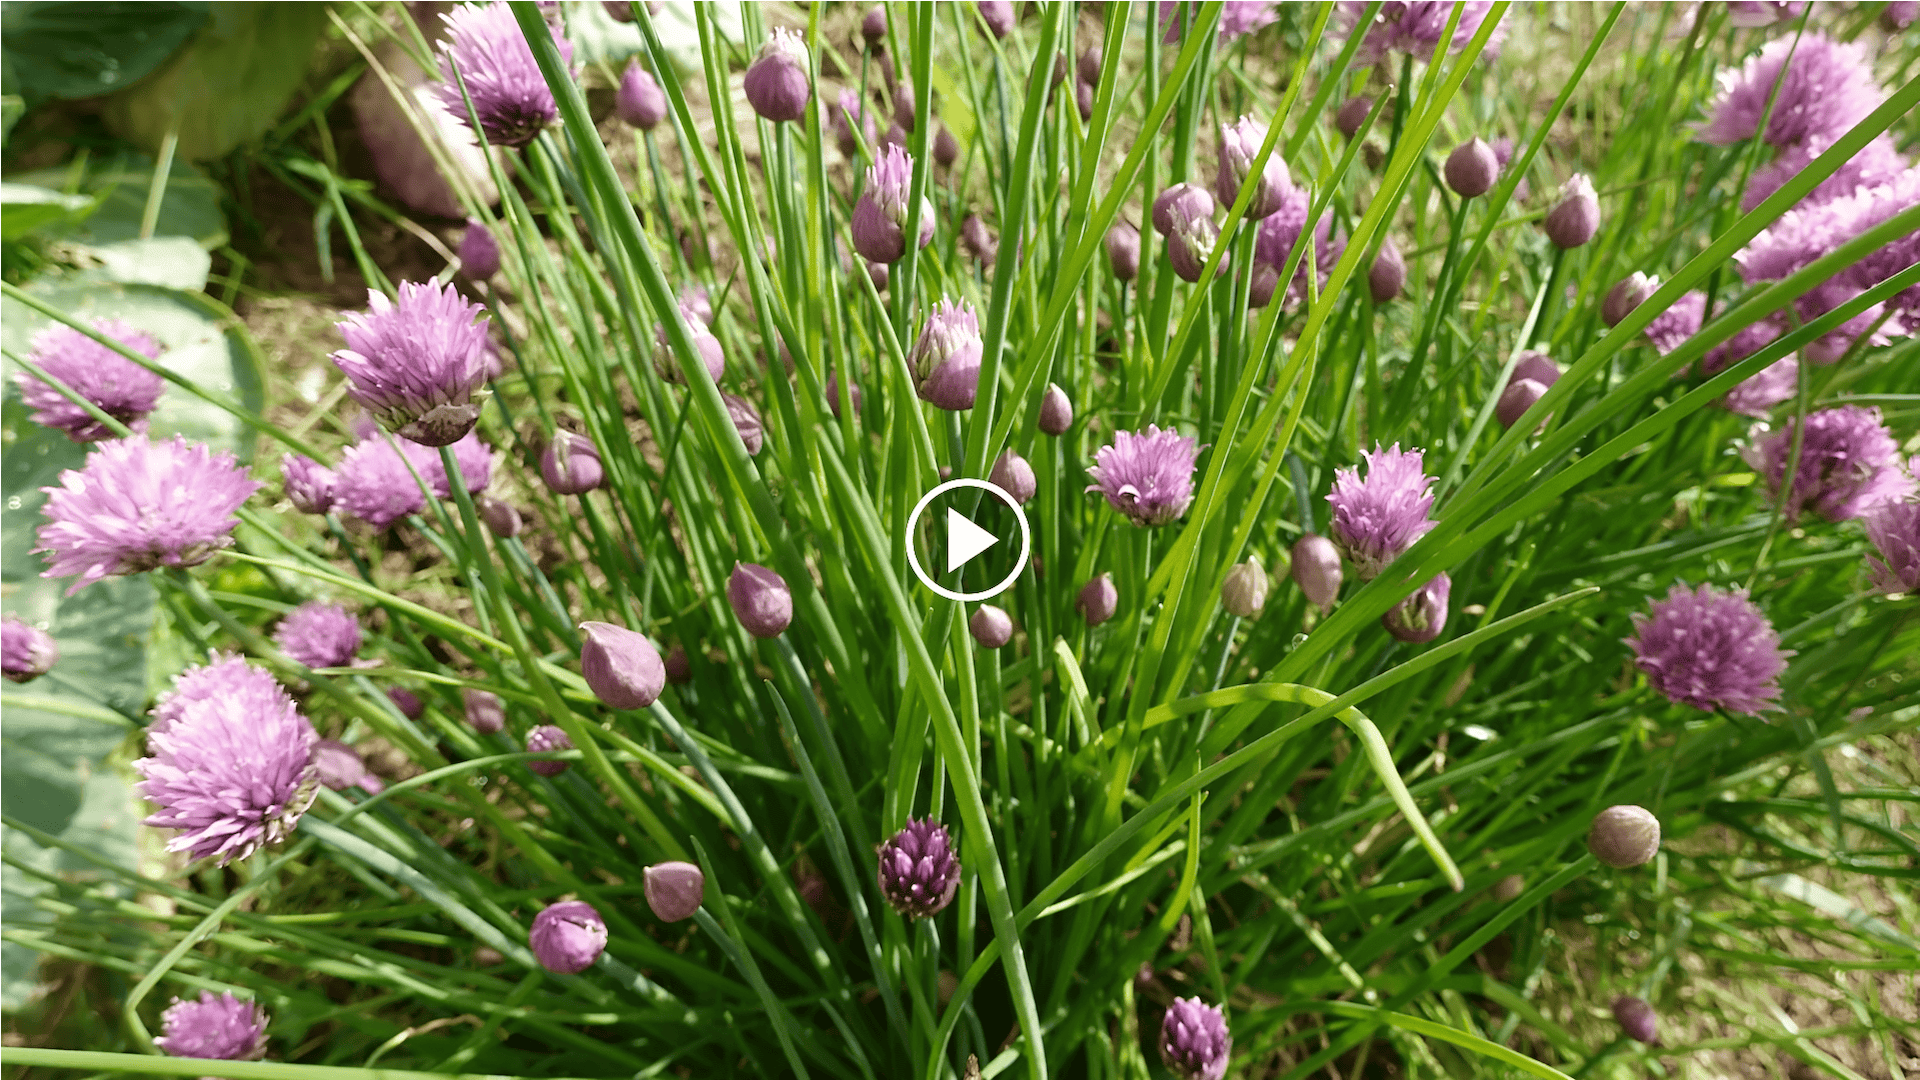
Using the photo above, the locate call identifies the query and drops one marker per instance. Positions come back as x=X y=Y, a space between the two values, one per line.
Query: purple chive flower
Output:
x=919 y=869
x=1828 y=87
x=1184 y=215
x=1146 y=475
x=1098 y=600
x=319 y=635
x=417 y=365
x=760 y=599
x=218 y=1027
x=1316 y=569
x=992 y=627
x=546 y=739
x=1416 y=28
x=1811 y=230
x=1237 y=18
x=137 y=505
x=1376 y=519
x=880 y=214
x=567 y=937
x=231 y=766
x=486 y=713
x=1012 y=474
x=114 y=384
x=571 y=464
x=1898 y=15
x=220 y=674
x=1711 y=650
x=1422 y=615
x=1636 y=1018
x=1626 y=295
x=1894 y=528
x=674 y=889
x=338 y=767
x=1056 y=411
x=847 y=113
x=1188 y=200
x=1574 y=221
x=492 y=58
x=1758 y=395
x=1755 y=13
x=777 y=84
x=1671 y=328
x=407 y=702
x=479 y=252
x=1240 y=143
x=308 y=484
x=998 y=15
x=712 y=354
x=946 y=359
x=26 y=651
x=1849 y=463
x=1876 y=163
x=1281 y=230
x=1194 y=1042
x=640 y=102
x=622 y=668
x=375 y=480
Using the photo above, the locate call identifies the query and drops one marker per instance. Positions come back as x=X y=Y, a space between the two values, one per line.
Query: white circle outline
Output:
x=1026 y=540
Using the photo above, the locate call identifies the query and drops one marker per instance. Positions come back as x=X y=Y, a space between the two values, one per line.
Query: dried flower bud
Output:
x=674 y=890
x=1577 y=218
x=640 y=103
x=1244 y=593
x=1056 y=411
x=1624 y=297
x=1624 y=836
x=919 y=869
x=1098 y=600
x=501 y=517
x=486 y=713
x=1123 y=250
x=1636 y=1019
x=621 y=667
x=1472 y=168
x=1316 y=569
x=479 y=252
x=568 y=937
x=571 y=464
x=761 y=600
x=991 y=626
x=777 y=84
x=1388 y=274
x=1421 y=616
x=1352 y=115
x=545 y=739
x=1012 y=474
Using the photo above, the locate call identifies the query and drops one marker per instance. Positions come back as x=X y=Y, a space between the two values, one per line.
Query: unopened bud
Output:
x=1316 y=569
x=486 y=713
x=1472 y=168
x=760 y=599
x=1388 y=275
x=1012 y=474
x=1123 y=250
x=674 y=890
x=1624 y=836
x=622 y=668
x=1624 y=297
x=991 y=626
x=1421 y=616
x=1577 y=218
x=501 y=517
x=571 y=464
x=1352 y=115
x=1098 y=600
x=1056 y=411
x=1636 y=1019
x=546 y=739
x=1244 y=593
x=1090 y=64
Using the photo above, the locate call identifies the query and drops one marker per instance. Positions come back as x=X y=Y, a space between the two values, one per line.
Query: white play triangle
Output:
x=965 y=540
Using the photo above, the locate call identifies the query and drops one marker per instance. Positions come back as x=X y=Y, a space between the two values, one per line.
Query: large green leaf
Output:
x=74 y=50
x=190 y=207
x=24 y=207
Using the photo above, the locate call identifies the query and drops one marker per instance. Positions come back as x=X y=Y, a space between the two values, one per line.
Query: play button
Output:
x=973 y=528
x=965 y=540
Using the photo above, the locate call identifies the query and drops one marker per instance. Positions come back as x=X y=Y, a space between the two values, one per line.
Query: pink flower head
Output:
x=510 y=96
x=1828 y=87
x=114 y=384
x=1280 y=231
x=1376 y=519
x=216 y=1027
x=1671 y=328
x=1416 y=27
x=308 y=484
x=1874 y=164
x=416 y=365
x=1240 y=143
x=1146 y=475
x=376 y=483
x=1849 y=463
x=880 y=214
x=1754 y=13
x=232 y=769
x=1711 y=650
x=223 y=673
x=1237 y=18
x=1194 y=1042
x=1894 y=528
x=920 y=869
x=319 y=635
x=137 y=505
x=1757 y=395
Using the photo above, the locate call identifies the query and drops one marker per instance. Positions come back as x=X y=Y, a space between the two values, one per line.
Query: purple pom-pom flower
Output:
x=232 y=765
x=568 y=937
x=417 y=365
x=919 y=869
x=308 y=484
x=1237 y=18
x=114 y=384
x=1848 y=464
x=1416 y=28
x=319 y=635
x=510 y=96
x=137 y=505
x=1376 y=519
x=26 y=651
x=1711 y=650
x=1827 y=88
x=1194 y=1042
x=1146 y=475
x=1894 y=529
x=217 y=1027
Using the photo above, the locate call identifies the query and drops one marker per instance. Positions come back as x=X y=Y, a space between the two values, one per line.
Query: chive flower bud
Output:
x=1352 y=115
x=919 y=869
x=1472 y=168
x=501 y=517
x=1388 y=274
x=1637 y=1020
x=977 y=241
x=1625 y=296
x=1316 y=569
x=674 y=890
x=640 y=103
x=308 y=484
x=1422 y=615
x=679 y=667
x=880 y=214
x=946 y=359
x=998 y=15
x=407 y=702
x=992 y=627
x=874 y=26
x=746 y=421
x=1098 y=600
x=479 y=252
x=946 y=149
x=1012 y=474
x=621 y=667
x=1574 y=221
x=1624 y=837
x=546 y=739
x=760 y=599
x=1056 y=411
x=1532 y=376
x=26 y=651
x=1191 y=200
x=568 y=937
x=712 y=355
x=571 y=464
x=1194 y=1043
x=833 y=395
x=1123 y=250
x=777 y=84
x=1240 y=143
x=1244 y=593
x=1089 y=65
x=486 y=713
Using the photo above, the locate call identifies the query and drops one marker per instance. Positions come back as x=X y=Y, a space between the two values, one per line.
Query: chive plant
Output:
x=697 y=778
